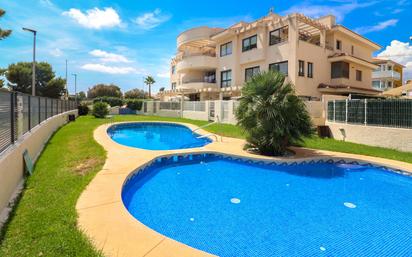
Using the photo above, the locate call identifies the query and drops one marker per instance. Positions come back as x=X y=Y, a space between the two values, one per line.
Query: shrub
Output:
x=112 y=101
x=100 y=109
x=271 y=114
x=101 y=90
x=135 y=94
x=135 y=105
x=83 y=109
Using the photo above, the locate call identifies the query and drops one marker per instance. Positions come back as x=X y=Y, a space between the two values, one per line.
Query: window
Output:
x=353 y=50
x=173 y=69
x=173 y=85
x=389 y=67
x=310 y=70
x=278 y=36
x=249 y=43
x=389 y=84
x=281 y=67
x=340 y=70
x=358 y=75
x=226 y=78
x=301 y=68
x=376 y=84
x=210 y=77
x=338 y=45
x=226 y=49
x=250 y=72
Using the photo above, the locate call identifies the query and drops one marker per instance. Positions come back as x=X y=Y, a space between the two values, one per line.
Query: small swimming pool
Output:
x=156 y=136
x=237 y=207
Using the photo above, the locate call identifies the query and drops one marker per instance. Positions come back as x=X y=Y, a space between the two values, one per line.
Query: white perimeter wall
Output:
x=226 y=111
x=396 y=138
x=11 y=160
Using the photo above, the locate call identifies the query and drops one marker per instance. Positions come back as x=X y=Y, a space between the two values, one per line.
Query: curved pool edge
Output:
x=106 y=221
x=189 y=126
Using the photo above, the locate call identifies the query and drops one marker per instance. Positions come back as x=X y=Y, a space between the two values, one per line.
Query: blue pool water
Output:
x=234 y=207
x=156 y=136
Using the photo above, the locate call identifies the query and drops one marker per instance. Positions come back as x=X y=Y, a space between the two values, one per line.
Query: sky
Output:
x=122 y=41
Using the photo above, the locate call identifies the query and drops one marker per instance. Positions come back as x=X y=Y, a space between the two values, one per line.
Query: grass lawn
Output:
x=44 y=221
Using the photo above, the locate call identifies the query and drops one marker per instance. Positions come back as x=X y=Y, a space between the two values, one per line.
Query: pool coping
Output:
x=115 y=232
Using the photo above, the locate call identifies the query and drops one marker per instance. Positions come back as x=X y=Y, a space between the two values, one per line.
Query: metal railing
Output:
x=372 y=112
x=171 y=106
x=20 y=113
x=194 y=106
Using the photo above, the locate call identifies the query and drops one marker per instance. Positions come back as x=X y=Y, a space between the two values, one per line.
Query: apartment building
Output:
x=388 y=75
x=318 y=56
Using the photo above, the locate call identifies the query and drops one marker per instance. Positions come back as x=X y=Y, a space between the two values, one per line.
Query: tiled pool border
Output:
x=105 y=220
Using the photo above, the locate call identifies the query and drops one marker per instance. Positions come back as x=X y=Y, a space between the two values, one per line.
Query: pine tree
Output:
x=3 y=33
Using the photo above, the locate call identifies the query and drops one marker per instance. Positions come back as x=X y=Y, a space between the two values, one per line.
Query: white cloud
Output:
x=399 y=52
x=316 y=11
x=378 y=27
x=109 y=57
x=56 y=52
x=95 y=18
x=151 y=20
x=102 y=68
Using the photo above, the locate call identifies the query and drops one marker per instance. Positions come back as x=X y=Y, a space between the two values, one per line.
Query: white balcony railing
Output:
x=386 y=74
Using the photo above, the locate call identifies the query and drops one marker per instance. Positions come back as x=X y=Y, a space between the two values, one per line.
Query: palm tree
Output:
x=271 y=114
x=149 y=81
x=3 y=33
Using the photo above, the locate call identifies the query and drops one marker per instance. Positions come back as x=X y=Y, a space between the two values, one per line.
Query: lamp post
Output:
x=33 y=82
x=75 y=87
x=66 y=91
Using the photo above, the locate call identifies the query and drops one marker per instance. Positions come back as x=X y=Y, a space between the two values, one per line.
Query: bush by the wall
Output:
x=83 y=109
x=133 y=104
x=112 y=101
x=100 y=109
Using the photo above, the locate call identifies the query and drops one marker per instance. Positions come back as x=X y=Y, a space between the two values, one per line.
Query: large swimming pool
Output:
x=156 y=136
x=236 y=207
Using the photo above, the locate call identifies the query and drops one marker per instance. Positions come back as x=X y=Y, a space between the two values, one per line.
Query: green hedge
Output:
x=83 y=109
x=112 y=101
x=133 y=104
x=100 y=109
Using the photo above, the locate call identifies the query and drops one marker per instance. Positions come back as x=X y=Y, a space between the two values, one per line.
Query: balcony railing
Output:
x=386 y=74
x=212 y=81
x=181 y=56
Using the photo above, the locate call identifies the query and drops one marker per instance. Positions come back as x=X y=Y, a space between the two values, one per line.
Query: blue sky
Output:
x=122 y=41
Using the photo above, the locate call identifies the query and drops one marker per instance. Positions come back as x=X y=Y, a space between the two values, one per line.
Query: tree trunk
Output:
x=150 y=91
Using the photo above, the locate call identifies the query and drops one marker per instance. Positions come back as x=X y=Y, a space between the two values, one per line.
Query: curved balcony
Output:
x=200 y=35
x=196 y=85
x=197 y=62
x=388 y=74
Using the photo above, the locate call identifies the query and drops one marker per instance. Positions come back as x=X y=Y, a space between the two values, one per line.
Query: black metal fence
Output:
x=19 y=113
x=373 y=112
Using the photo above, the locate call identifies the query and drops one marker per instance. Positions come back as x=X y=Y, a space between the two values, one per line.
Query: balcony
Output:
x=252 y=56
x=388 y=74
x=200 y=35
x=197 y=62
x=198 y=84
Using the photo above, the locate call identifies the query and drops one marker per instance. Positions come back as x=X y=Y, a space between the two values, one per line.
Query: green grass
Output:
x=44 y=221
x=347 y=147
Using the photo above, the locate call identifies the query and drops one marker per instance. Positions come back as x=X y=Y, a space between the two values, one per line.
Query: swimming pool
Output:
x=156 y=136
x=237 y=207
